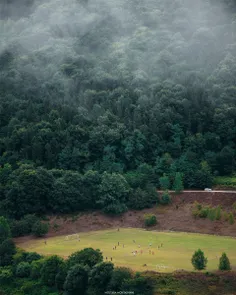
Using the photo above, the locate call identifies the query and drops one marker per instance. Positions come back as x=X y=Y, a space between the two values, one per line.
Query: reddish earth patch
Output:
x=169 y=217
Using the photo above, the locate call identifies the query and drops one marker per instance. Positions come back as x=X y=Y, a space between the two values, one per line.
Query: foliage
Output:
x=36 y=267
x=178 y=183
x=100 y=277
x=7 y=251
x=5 y=232
x=119 y=276
x=224 y=263
x=143 y=198
x=77 y=280
x=6 y=275
x=23 y=270
x=165 y=198
x=164 y=182
x=199 y=261
x=231 y=218
x=40 y=229
x=139 y=285
x=150 y=219
x=113 y=193
x=24 y=225
x=50 y=268
x=87 y=256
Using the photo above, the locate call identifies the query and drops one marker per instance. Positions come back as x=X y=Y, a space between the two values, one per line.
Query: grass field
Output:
x=175 y=253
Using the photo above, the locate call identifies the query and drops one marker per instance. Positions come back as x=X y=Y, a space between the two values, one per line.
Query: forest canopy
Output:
x=135 y=89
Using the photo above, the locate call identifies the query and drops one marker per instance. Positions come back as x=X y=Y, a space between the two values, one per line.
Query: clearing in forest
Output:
x=158 y=251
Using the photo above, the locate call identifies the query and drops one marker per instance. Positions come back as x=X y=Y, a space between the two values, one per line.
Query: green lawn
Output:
x=175 y=254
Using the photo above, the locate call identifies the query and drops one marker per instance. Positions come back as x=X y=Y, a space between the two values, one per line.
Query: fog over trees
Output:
x=136 y=89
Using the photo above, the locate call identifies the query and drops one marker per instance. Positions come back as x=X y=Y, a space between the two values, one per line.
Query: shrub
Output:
x=6 y=275
x=23 y=270
x=211 y=214
x=234 y=207
x=231 y=218
x=203 y=213
x=218 y=213
x=165 y=198
x=199 y=261
x=224 y=262
x=150 y=219
x=40 y=229
x=225 y=216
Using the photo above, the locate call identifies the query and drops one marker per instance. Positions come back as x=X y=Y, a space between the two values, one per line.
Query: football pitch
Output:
x=156 y=251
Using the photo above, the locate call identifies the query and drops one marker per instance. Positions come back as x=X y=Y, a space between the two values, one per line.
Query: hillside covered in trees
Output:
x=100 y=99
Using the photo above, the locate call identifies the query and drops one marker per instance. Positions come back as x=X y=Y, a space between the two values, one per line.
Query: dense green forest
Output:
x=100 y=99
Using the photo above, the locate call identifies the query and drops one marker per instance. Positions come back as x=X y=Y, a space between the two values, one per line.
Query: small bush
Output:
x=23 y=270
x=231 y=218
x=218 y=213
x=234 y=207
x=225 y=216
x=150 y=219
x=40 y=229
x=203 y=213
x=211 y=214
x=197 y=205
x=165 y=198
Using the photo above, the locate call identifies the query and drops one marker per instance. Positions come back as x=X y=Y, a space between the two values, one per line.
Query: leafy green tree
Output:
x=113 y=193
x=224 y=263
x=178 y=183
x=36 y=267
x=5 y=231
x=119 y=276
x=6 y=275
x=87 y=256
x=23 y=270
x=199 y=261
x=77 y=280
x=100 y=277
x=164 y=182
x=40 y=229
x=51 y=267
x=139 y=285
x=7 y=251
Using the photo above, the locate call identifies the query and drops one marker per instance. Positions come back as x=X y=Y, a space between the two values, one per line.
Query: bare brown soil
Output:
x=169 y=217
